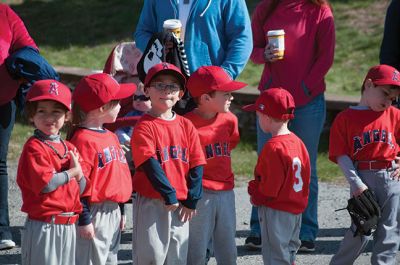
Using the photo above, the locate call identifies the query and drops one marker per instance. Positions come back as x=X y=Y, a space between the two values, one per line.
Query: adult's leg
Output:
x=7 y=119
x=308 y=124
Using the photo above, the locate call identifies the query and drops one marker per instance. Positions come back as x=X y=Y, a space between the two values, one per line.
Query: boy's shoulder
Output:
x=354 y=112
x=284 y=142
x=222 y=117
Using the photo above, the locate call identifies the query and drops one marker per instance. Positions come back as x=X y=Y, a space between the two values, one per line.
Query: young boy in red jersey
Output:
x=364 y=143
x=211 y=88
x=169 y=167
x=50 y=178
x=282 y=178
x=96 y=101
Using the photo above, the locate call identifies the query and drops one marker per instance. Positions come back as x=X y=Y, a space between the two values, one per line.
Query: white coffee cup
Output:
x=277 y=39
x=174 y=26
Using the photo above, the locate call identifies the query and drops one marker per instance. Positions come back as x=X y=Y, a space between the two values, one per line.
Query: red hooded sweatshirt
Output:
x=309 y=47
x=13 y=36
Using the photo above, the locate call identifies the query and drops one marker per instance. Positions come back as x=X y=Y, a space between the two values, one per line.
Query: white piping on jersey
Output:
x=205 y=10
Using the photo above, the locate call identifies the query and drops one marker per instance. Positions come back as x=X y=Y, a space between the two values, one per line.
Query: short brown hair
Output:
x=31 y=107
x=197 y=99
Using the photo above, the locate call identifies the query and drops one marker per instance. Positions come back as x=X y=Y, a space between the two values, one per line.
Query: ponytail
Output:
x=78 y=115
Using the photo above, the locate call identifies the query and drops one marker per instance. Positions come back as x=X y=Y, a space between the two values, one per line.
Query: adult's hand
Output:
x=271 y=53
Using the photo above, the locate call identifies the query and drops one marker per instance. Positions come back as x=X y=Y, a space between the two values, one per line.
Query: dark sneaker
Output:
x=6 y=244
x=307 y=246
x=253 y=242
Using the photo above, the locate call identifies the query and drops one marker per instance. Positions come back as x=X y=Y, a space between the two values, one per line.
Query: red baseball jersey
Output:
x=37 y=165
x=283 y=169
x=365 y=135
x=218 y=137
x=104 y=165
x=175 y=144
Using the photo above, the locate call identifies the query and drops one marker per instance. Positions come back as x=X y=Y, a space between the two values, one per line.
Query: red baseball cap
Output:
x=50 y=90
x=96 y=90
x=211 y=78
x=383 y=75
x=165 y=68
x=276 y=102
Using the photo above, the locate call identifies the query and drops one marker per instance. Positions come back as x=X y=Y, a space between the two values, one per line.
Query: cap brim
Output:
x=232 y=86
x=47 y=97
x=125 y=90
x=250 y=107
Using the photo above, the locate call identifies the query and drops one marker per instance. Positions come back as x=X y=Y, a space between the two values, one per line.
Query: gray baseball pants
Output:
x=103 y=248
x=158 y=237
x=216 y=220
x=47 y=244
x=279 y=236
x=386 y=238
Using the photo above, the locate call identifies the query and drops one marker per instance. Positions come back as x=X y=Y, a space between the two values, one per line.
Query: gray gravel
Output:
x=332 y=224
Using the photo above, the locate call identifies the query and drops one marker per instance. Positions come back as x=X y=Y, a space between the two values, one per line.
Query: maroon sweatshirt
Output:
x=309 y=47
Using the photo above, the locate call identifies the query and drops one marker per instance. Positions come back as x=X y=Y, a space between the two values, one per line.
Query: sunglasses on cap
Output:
x=140 y=98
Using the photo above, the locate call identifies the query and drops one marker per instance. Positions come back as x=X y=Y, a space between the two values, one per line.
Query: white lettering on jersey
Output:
x=296 y=165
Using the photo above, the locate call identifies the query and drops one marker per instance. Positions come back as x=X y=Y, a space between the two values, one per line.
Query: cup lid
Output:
x=275 y=32
x=172 y=24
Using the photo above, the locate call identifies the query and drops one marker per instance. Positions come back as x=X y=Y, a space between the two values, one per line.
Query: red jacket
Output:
x=309 y=47
x=13 y=36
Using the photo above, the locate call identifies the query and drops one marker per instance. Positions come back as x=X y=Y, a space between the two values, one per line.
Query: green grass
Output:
x=82 y=34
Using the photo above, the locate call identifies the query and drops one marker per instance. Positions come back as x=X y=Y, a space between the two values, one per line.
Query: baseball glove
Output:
x=365 y=212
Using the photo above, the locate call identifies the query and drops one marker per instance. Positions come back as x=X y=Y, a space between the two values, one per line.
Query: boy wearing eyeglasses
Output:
x=141 y=104
x=169 y=163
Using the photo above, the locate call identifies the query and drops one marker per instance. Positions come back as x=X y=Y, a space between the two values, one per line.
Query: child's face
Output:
x=220 y=101
x=164 y=91
x=110 y=112
x=379 y=98
x=141 y=102
x=264 y=121
x=49 y=117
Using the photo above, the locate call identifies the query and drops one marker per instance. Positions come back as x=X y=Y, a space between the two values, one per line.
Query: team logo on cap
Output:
x=165 y=66
x=395 y=76
x=261 y=106
x=53 y=88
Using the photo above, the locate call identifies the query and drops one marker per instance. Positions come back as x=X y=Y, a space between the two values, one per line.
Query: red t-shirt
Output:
x=283 y=169
x=218 y=137
x=175 y=144
x=104 y=165
x=36 y=167
x=365 y=135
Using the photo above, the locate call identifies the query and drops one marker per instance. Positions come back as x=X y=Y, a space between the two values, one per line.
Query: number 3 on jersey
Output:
x=296 y=166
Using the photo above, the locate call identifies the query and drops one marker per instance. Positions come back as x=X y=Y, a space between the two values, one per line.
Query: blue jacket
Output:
x=217 y=32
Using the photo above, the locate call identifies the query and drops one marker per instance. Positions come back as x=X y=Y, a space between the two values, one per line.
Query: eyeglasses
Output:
x=173 y=87
x=140 y=98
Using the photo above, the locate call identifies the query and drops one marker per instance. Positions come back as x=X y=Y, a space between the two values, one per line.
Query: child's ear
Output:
x=146 y=91
x=205 y=97
x=68 y=116
x=181 y=92
x=368 y=84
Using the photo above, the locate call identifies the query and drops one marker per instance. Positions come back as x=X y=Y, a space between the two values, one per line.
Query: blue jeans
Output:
x=7 y=120
x=307 y=125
